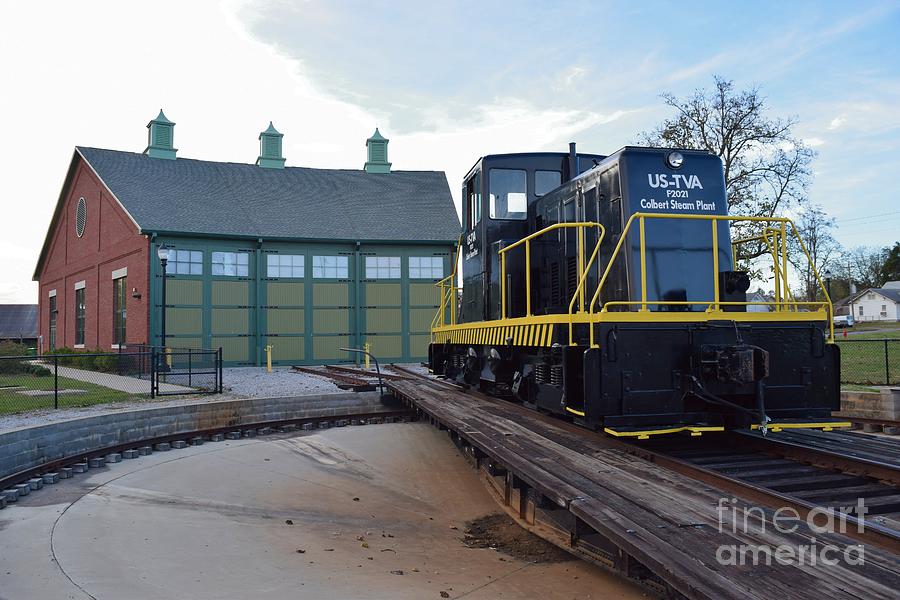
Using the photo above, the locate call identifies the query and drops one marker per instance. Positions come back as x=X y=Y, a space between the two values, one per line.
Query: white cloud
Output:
x=570 y=76
x=837 y=122
x=813 y=142
x=99 y=83
x=221 y=88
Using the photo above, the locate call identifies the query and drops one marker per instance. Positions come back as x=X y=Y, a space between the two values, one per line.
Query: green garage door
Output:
x=424 y=301
x=184 y=312
x=381 y=300
x=331 y=317
x=285 y=321
x=230 y=320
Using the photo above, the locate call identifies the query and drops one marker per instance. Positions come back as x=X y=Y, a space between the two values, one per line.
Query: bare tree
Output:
x=767 y=170
x=866 y=265
x=815 y=228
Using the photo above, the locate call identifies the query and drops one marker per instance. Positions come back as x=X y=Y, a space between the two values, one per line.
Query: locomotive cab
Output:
x=498 y=194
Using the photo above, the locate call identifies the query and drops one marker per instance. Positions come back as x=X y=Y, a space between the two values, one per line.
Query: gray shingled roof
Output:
x=18 y=321
x=888 y=293
x=232 y=199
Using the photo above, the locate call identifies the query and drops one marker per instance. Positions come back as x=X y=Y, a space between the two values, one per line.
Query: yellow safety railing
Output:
x=777 y=245
x=582 y=267
x=448 y=291
x=780 y=305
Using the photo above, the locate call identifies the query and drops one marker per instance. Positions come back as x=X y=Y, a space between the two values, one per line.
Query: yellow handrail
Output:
x=820 y=303
x=441 y=315
x=822 y=285
x=781 y=269
x=527 y=242
x=774 y=242
x=579 y=290
x=775 y=238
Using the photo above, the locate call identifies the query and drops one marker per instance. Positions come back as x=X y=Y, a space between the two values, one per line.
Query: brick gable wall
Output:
x=110 y=242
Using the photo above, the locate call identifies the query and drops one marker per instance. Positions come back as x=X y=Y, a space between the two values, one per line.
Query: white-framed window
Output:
x=509 y=199
x=285 y=265
x=231 y=264
x=860 y=310
x=382 y=267
x=426 y=267
x=330 y=267
x=184 y=262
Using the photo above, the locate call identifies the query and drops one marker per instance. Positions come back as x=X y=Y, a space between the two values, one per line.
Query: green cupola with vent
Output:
x=377 y=161
x=161 y=138
x=270 y=149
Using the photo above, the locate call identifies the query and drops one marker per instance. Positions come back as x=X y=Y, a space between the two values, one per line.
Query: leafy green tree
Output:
x=890 y=270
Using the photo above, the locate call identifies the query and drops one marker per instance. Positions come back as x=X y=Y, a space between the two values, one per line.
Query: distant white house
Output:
x=759 y=296
x=877 y=304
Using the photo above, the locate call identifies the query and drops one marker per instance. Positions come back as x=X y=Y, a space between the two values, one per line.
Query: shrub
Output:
x=38 y=370
x=108 y=363
x=11 y=366
x=69 y=357
x=95 y=359
x=8 y=348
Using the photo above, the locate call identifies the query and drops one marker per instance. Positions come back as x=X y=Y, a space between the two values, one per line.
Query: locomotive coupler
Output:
x=739 y=363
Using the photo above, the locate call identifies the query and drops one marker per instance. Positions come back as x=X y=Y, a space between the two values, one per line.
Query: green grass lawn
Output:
x=893 y=334
x=870 y=325
x=11 y=401
x=862 y=362
x=852 y=387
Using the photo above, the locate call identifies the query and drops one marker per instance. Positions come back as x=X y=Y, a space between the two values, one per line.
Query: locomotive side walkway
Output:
x=669 y=523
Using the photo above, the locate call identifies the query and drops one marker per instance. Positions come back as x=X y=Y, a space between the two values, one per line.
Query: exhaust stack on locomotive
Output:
x=605 y=288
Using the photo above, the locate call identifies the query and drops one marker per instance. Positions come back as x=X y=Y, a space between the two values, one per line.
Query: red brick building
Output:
x=92 y=241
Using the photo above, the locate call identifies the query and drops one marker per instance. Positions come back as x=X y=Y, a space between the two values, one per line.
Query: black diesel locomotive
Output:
x=604 y=288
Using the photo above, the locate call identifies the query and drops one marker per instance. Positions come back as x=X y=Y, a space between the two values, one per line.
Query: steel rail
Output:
x=844 y=460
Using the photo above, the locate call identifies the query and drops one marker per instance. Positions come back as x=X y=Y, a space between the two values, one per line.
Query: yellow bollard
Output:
x=366 y=347
x=269 y=358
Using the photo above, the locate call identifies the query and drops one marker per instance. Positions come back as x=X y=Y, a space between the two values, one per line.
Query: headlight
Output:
x=675 y=159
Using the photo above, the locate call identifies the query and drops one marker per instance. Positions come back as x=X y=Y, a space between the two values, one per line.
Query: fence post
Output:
x=55 y=381
x=219 y=369
x=152 y=372
x=189 y=368
x=887 y=365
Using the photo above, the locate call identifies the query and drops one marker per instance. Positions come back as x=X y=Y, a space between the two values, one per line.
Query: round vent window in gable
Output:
x=80 y=217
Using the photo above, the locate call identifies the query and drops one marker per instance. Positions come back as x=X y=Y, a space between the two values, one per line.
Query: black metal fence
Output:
x=73 y=379
x=870 y=362
x=181 y=369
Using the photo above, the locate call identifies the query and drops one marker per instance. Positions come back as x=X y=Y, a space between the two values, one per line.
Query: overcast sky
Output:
x=446 y=84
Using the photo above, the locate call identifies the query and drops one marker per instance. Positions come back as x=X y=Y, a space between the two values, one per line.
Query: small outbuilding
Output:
x=304 y=260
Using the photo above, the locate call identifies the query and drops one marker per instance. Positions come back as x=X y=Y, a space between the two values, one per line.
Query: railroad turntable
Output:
x=343 y=512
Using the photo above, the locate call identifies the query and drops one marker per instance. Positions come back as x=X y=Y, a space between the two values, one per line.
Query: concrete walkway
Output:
x=130 y=385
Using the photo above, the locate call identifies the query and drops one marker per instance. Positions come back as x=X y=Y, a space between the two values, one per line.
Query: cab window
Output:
x=508 y=195
x=472 y=198
x=546 y=181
